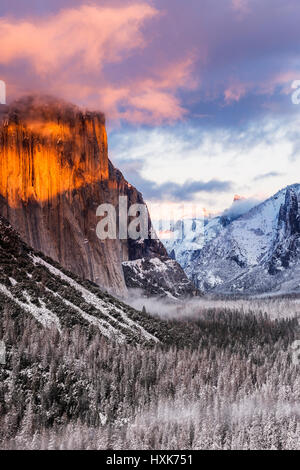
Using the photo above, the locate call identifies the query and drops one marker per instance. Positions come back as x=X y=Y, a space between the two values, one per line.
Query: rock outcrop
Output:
x=158 y=277
x=54 y=173
x=287 y=245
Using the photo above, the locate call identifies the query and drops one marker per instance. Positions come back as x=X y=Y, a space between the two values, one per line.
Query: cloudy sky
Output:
x=197 y=93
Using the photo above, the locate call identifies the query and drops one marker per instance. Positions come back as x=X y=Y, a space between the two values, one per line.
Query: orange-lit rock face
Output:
x=44 y=157
x=54 y=172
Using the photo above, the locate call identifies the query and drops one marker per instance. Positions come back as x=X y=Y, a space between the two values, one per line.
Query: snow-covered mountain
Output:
x=257 y=252
x=36 y=286
x=189 y=236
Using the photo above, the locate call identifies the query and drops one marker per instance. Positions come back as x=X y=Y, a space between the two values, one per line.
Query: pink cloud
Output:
x=70 y=54
x=155 y=97
x=240 y=6
x=94 y=35
x=140 y=100
x=235 y=92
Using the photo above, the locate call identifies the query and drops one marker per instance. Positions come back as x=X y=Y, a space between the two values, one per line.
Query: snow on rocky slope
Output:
x=258 y=252
x=188 y=237
x=158 y=277
x=32 y=284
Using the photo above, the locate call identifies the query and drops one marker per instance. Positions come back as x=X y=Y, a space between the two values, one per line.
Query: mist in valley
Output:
x=170 y=308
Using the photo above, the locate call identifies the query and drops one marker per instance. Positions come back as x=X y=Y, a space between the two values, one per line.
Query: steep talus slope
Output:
x=36 y=286
x=54 y=173
x=256 y=253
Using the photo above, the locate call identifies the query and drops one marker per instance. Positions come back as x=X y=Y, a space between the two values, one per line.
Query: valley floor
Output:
x=222 y=379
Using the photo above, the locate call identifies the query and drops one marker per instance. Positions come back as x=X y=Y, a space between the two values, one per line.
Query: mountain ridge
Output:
x=33 y=285
x=241 y=256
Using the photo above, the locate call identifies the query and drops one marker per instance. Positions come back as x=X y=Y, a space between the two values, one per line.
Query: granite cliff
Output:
x=54 y=173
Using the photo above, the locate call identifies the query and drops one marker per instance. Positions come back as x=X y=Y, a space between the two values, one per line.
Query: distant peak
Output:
x=237 y=197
